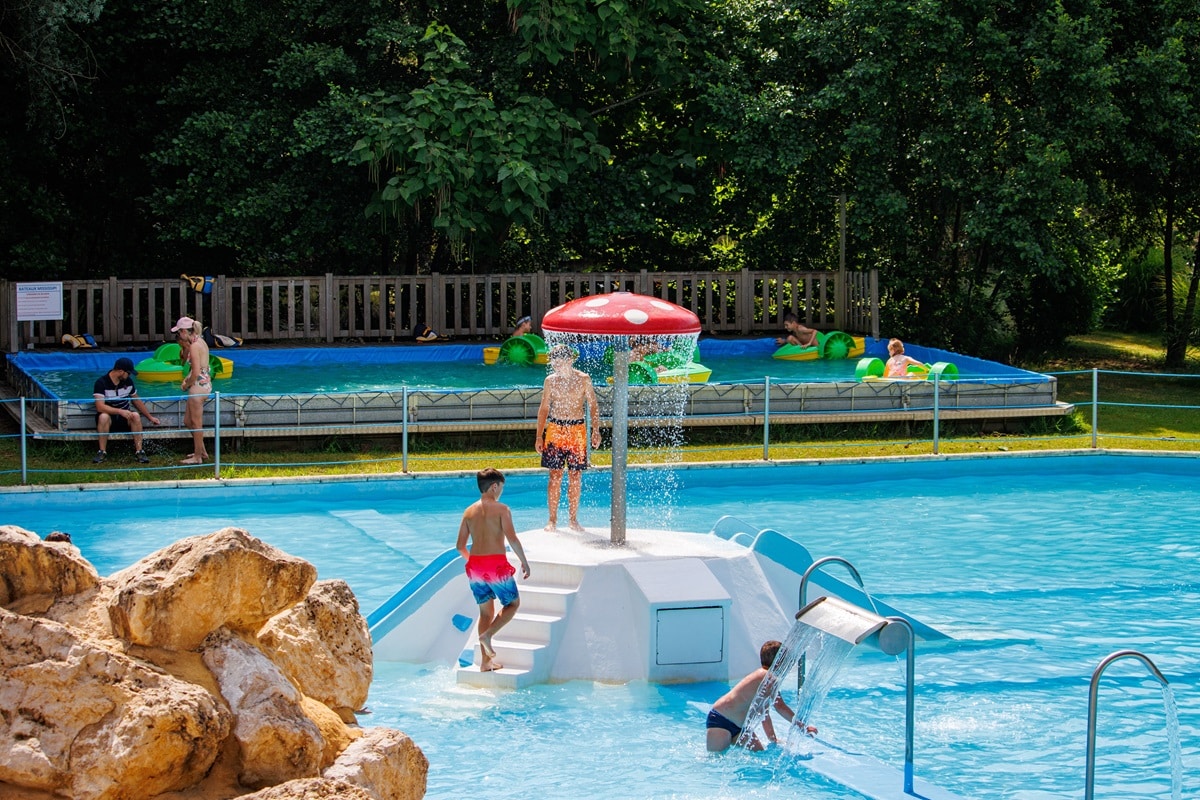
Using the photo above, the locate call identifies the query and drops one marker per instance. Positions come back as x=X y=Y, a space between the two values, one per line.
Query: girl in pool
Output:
x=897 y=366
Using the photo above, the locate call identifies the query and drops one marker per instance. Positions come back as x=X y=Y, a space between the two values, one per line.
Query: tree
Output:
x=1153 y=167
x=551 y=121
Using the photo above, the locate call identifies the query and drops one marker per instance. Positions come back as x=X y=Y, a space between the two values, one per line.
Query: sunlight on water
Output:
x=1036 y=567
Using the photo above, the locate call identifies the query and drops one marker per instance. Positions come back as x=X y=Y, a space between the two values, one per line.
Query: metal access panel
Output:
x=690 y=635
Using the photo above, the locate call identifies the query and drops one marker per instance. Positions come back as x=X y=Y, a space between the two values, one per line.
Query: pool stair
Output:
x=528 y=645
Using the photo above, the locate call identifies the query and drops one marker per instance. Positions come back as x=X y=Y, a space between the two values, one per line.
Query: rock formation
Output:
x=209 y=669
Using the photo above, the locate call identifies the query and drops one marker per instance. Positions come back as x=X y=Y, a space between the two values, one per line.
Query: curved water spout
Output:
x=1093 y=692
x=820 y=562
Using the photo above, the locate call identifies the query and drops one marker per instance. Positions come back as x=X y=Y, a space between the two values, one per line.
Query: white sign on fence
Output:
x=37 y=301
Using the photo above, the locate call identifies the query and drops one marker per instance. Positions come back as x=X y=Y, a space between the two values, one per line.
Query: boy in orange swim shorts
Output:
x=487 y=524
x=562 y=435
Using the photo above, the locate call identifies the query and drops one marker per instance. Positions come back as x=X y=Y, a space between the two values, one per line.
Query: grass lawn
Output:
x=1140 y=407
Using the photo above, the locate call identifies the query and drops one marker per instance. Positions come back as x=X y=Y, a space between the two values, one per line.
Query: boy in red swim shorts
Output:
x=487 y=524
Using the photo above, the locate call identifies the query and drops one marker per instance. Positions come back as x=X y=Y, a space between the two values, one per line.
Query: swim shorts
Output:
x=718 y=720
x=117 y=425
x=492 y=577
x=565 y=444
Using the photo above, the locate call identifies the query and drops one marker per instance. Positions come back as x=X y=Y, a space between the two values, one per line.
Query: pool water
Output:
x=1037 y=567
x=310 y=370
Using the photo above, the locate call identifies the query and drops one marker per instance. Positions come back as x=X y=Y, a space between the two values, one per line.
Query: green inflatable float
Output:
x=526 y=349
x=872 y=369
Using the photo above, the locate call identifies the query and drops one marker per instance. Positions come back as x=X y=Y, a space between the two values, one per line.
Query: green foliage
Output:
x=446 y=149
x=994 y=156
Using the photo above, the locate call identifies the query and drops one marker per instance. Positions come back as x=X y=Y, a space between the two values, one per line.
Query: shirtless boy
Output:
x=797 y=334
x=728 y=715
x=562 y=432
x=488 y=524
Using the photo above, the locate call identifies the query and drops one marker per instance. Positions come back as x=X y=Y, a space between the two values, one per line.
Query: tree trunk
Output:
x=1176 y=343
x=1176 y=359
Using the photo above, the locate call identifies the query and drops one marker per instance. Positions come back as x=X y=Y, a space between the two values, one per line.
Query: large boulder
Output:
x=278 y=741
x=334 y=731
x=90 y=724
x=312 y=789
x=324 y=646
x=385 y=762
x=29 y=566
x=176 y=597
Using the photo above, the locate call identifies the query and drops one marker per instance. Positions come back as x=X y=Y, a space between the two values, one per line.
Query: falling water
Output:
x=823 y=654
x=655 y=436
x=1174 y=744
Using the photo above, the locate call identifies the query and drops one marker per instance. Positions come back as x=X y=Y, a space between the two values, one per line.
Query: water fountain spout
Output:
x=1093 y=693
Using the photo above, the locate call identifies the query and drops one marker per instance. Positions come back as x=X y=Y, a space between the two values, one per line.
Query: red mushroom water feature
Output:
x=615 y=317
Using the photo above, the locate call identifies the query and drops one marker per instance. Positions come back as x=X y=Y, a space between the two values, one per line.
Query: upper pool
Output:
x=272 y=371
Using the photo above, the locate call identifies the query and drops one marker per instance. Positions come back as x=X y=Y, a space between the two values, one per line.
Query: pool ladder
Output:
x=1093 y=692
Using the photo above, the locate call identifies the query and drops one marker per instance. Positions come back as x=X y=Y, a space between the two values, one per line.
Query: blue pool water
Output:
x=71 y=375
x=1038 y=567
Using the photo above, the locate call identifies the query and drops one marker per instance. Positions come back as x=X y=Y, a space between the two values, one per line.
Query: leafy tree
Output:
x=967 y=133
x=1153 y=167
x=552 y=122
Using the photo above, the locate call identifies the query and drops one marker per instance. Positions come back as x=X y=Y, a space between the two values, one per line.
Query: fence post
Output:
x=1095 y=405
x=216 y=434
x=746 y=301
x=327 y=305
x=767 y=418
x=113 y=305
x=404 y=431
x=24 y=462
x=936 y=416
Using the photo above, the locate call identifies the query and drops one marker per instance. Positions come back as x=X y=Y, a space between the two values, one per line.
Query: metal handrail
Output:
x=910 y=703
x=1093 y=692
x=820 y=562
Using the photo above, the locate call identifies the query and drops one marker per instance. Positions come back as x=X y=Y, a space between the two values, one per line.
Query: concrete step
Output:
x=531 y=627
x=545 y=599
x=525 y=646
x=507 y=678
x=515 y=653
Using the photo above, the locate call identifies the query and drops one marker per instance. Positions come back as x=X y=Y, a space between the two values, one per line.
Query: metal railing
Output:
x=407 y=412
x=1093 y=696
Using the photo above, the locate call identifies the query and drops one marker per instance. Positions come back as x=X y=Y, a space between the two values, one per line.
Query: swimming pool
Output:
x=1038 y=567
x=386 y=397
x=453 y=366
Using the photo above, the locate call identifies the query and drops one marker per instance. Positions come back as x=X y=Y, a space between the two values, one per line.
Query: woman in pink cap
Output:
x=197 y=383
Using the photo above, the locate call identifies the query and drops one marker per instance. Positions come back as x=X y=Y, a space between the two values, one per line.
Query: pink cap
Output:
x=184 y=323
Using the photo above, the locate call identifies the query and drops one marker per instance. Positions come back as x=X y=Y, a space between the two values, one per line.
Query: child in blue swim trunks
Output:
x=728 y=715
x=487 y=524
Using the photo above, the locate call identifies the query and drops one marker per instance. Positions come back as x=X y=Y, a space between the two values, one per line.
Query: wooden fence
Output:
x=334 y=308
